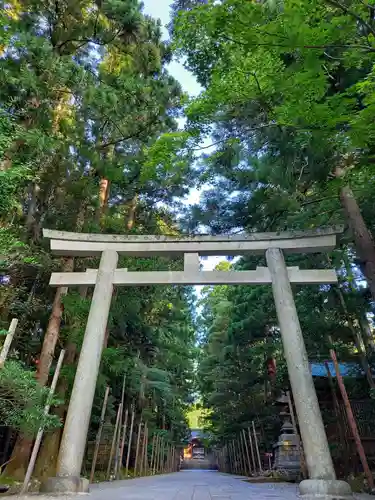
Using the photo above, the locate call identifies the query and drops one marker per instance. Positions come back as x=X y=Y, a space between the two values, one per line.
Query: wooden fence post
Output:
x=154 y=437
x=247 y=451
x=39 y=436
x=233 y=458
x=170 y=458
x=143 y=448
x=235 y=453
x=123 y=439
x=118 y=439
x=114 y=441
x=246 y=470
x=146 y=467
x=130 y=442
x=137 y=447
x=230 y=456
x=257 y=448
x=342 y=431
x=161 y=456
x=352 y=421
x=8 y=340
x=252 y=450
x=99 y=434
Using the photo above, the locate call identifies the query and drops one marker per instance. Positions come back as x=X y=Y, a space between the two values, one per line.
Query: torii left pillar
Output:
x=73 y=441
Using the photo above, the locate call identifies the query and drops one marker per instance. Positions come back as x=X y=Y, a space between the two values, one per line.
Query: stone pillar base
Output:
x=65 y=485
x=325 y=489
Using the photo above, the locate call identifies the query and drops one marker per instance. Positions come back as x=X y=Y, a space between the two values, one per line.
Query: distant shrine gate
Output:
x=273 y=245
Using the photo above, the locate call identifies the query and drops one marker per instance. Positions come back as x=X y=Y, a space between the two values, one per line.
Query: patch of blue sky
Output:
x=161 y=9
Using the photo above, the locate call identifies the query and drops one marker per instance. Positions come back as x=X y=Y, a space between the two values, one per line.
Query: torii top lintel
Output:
x=83 y=244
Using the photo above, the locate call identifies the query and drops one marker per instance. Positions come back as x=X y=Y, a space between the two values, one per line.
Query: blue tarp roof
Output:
x=346 y=369
x=197 y=433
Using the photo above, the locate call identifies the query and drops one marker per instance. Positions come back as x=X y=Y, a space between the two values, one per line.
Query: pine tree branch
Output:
x=318 y=200
x=85 y=41
x=130 y=136
x=210 y=145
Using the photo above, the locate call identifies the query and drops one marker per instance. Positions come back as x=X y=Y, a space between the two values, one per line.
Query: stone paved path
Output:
x=191 y=485
x=194 y=485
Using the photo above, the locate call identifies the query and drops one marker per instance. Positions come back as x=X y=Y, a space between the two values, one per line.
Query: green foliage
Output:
x=87 y=100
x=89 y=142
x=22 y=400
x=239 y=333
x=288 y=97
x=196 y=417
x=287 y=101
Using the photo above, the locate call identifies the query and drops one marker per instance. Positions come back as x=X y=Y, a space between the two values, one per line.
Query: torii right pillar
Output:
x=322 y=483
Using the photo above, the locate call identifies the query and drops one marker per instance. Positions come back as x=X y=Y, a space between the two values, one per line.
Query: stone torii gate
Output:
x=322 y=482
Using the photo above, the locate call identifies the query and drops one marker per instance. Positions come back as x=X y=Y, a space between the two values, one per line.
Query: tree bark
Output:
x=46 y=463
x=47 y=459
x=22 y=449
x=104 y=185
x=363 y=240
x=16 y=468
x=366 y=330
x=31 y=213
x=106 y=337
x=53 y=330
x=357 y=339
x=50 y=338
x=23 y=446
x=131 y=215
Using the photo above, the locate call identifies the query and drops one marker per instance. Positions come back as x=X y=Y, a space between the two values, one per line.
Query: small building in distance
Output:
x=195 y=448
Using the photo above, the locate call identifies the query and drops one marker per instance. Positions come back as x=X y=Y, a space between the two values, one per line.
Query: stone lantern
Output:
x=286 y=450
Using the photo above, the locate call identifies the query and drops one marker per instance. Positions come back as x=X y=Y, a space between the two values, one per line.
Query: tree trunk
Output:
x=6 y=162
x=364 y=243
x=131 y=215
x=53 y=330
x=357 y=339
x=22 y=448
x=104 y=187
x=366 y=330
x=16 y=468
x=47 y=458
x=106 y=337
x=31 y=212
